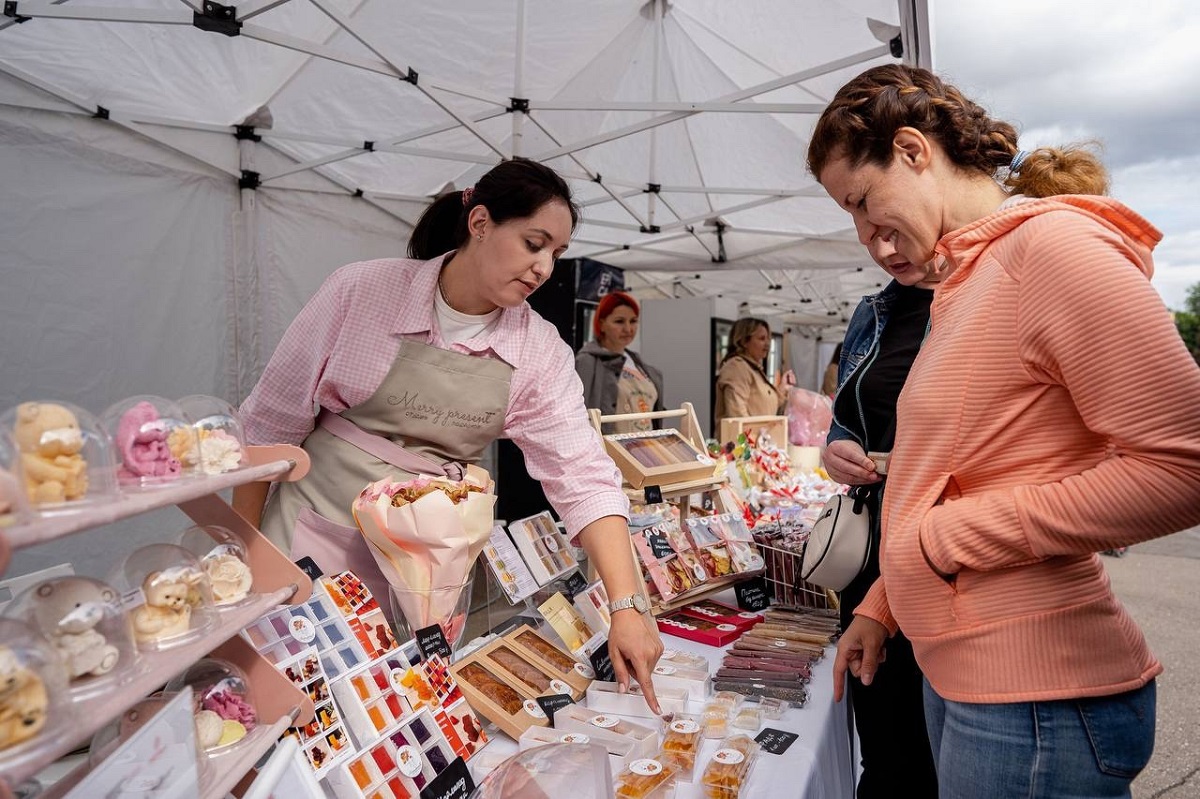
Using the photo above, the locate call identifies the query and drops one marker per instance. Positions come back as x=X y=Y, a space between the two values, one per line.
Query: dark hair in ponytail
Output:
x=513 y=189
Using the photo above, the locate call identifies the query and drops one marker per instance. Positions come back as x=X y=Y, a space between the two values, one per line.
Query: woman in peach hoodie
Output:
x=1032 y=433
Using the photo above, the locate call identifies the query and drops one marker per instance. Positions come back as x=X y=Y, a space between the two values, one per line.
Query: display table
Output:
x=816 y=766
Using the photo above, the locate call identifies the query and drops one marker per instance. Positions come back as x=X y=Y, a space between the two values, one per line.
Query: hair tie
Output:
x=468 y=192
x=1017 y=160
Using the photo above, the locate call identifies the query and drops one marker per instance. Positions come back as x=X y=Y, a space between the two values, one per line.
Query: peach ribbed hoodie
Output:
x=1053 y=412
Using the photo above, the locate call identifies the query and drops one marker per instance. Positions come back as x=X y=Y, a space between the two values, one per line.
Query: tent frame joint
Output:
x=10 y=10
x=358 y=192
x=369 y=146
x=650 y=229
x=411 y=77
x=652 y=188
x=215 y=17
x=100 y=113
x=245 y=133
x=249 y=180
x=896 y=46
x=519 y=104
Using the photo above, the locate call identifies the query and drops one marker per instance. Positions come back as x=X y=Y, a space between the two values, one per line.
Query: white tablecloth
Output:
x=816 y=766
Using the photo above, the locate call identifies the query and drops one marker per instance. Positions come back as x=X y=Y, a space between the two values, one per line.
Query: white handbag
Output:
x=839 y=546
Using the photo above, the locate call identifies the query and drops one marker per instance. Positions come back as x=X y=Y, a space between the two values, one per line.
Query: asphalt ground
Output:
x=1159 y=583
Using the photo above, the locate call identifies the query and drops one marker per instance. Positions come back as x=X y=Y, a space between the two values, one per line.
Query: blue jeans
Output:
x=1066 y=749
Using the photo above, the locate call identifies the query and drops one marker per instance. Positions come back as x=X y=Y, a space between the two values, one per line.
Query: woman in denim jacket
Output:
x=881 y=343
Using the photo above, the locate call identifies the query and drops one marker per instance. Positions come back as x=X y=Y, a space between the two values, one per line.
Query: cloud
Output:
x=1124 y=74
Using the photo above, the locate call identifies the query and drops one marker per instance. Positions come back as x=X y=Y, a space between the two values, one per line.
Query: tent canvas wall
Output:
x=180 y=175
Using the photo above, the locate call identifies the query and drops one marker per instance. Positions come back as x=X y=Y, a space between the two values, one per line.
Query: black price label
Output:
x=659 y=545
x=432 y=641
x=752 y=594
x=653 y=495
x=602 y=664
x=574 y=583
x=552 y=703
x=310 y=567
x=775 y=741
x=453 y=783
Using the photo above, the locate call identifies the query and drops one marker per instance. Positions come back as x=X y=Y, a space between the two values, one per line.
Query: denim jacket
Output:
x=860 y=345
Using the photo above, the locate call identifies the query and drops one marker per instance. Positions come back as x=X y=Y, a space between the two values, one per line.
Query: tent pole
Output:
x=518 y=116
x=652 y=180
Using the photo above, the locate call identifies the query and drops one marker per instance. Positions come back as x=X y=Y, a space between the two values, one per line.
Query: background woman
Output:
x=881 y=343
x=743 y=388
x=615 y=378
x=1026 y=440
x=417 y=365
x=829 y=381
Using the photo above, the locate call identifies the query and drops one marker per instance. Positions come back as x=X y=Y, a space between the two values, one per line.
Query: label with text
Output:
x=453 y=783
x=774 y=741
x=432 y=641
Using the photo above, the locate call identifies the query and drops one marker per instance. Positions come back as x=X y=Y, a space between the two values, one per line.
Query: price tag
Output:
x=574 y=583
x=657 y=539
x=752 y=594
x=453 y=783
x=552 y=703
x=775 y=741
x=432 y=641
x=310 y=567
x=602 y=663
x=653 y=494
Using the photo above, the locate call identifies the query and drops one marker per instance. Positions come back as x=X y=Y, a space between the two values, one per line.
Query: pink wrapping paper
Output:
x=425 y=548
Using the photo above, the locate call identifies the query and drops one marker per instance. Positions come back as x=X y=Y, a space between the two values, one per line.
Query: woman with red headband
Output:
x=615 y=378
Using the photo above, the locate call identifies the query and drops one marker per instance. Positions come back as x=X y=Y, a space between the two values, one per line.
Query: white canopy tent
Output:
x=180 y=176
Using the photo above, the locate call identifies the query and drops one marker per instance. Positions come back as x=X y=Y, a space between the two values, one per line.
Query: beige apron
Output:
x=443 y=405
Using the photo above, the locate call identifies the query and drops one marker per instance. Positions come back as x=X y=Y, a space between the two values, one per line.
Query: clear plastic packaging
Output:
x=14 y=504
x=648 y=778
x=111 y=736
x=729 y=768
x=147 y=433
x=219 y=440
x=580 y=771
x=169 y=593
x=773 y=708
x=681 y=741
x=222 y=702
x=83 y=619
x=66 y=455
x=34 y=703
x=748 y=718
x=223 y=558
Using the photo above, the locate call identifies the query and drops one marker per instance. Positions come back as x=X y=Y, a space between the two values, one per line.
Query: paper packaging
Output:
x=531 y=673
x=604 y=697
x=400 y=763
x=592 y=604
x=569 y=626
x=512 y=708
x=537 y=649
x=695 y=683
x=698 y=629
x=602 y=728
x=620 y=749
x=722 y=614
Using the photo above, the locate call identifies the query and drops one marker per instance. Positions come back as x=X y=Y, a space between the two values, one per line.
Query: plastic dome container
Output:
x=224 y=560
x=176 y=598
x=14 y=504
x=221 y=701
x=84 y=621
x=580 y=771
x=152 y=439
x=66 y=455
x=109 y=737
x=34 y=705
x=220 y=439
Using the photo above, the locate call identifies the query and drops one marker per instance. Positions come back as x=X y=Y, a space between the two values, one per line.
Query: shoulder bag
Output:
x=839 y=546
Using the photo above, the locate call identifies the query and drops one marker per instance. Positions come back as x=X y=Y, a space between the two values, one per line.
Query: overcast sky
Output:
x=1124 y=73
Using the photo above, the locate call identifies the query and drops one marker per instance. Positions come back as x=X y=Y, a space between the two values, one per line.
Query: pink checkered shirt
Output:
x=339 y=348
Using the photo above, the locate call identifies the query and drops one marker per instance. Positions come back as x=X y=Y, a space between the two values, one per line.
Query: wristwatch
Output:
x=635 y=601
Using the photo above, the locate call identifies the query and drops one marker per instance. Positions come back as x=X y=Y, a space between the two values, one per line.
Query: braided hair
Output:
x=860 y=122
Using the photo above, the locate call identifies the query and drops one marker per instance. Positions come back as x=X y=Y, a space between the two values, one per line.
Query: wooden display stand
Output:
x=680 y=456
x=276 y=581
x=776 y=427
x=707 y=483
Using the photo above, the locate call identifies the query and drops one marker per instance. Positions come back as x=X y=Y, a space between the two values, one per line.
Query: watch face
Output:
x=639 y=603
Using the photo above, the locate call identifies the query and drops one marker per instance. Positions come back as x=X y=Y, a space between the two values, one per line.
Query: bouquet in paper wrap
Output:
x=425 y=535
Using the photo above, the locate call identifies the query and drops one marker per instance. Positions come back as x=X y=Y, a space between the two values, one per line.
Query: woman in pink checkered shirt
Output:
x=408 y=366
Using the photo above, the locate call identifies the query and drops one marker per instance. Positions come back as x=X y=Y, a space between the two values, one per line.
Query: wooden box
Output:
x=775 y=426
x=658 y=457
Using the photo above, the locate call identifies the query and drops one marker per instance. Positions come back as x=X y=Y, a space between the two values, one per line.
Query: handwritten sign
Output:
x=602 y=663
x=574 y=583
x=453 y=783
x=752 y=594
x=653 y=494
x=432 y=641
x=775 y=742
x=552 y=703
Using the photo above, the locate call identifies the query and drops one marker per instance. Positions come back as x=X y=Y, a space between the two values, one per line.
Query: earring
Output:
x=479 y=236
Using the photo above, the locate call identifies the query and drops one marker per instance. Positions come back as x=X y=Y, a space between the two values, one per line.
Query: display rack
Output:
x=276 y=581
x=690 y=465
x=679 y=493
x=776 y=427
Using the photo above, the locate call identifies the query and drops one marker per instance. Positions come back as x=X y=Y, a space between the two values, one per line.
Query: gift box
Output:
x=698 y=629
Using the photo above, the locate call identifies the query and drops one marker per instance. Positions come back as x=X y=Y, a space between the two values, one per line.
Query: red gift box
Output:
x=699 y=628
x=722 y=614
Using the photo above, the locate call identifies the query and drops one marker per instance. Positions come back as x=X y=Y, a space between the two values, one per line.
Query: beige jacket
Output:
x=744 y=390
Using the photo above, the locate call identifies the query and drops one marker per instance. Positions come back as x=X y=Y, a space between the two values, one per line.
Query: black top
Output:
x=881 y=376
